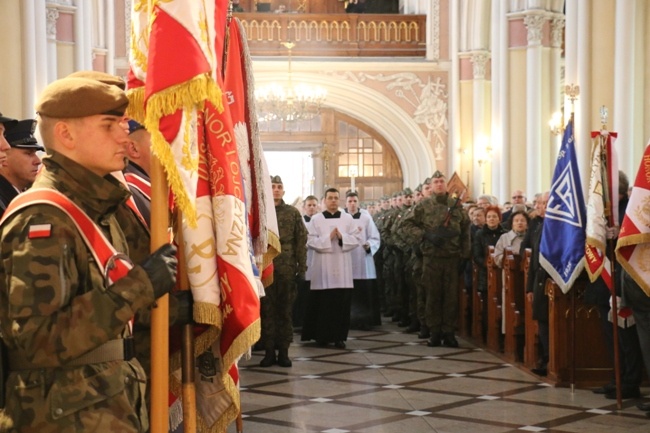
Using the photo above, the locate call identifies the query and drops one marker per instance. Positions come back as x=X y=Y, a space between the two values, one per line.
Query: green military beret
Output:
x=437 y=175
x=73 y=97
x=111 y=80
x=407 y=191
x=276 y=179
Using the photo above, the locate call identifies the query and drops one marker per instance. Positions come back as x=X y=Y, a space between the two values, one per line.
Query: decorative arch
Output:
x=372 y=108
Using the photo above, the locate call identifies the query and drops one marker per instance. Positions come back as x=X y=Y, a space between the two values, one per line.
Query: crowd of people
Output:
x=75 y=256
x=405 y=255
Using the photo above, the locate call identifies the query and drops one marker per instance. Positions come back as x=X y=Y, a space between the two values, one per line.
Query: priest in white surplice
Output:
x=332 y=236
x=364 y=311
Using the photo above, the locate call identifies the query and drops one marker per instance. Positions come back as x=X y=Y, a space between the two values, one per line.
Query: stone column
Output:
x=557 y=30
x=631 y=146
x=534 y=23
x=481 y=123
x=52 y=15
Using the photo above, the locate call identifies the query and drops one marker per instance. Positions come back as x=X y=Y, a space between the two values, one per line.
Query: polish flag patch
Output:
x=37 y=231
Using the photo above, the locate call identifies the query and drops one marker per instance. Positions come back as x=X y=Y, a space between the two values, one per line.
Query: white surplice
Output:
x=331 y=263
x=363 y=264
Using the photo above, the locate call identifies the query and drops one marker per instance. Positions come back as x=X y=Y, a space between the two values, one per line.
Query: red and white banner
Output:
x=239 y=87
x=633 y=246
x=602 y=205
x=175 y=91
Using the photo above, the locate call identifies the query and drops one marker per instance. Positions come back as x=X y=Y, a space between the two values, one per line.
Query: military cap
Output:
x=437 y=175
x=397 y=194
x=134 y=126
x=103 y=77
x=407 y=191
x=74 y=97
x=276 y=179
x=7 y=121
x=21 y=135
x=419 y=188
x=427 y=181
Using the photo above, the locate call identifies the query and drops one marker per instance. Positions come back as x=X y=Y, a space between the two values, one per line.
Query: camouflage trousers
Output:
x=390 y=284
x=276 y=312
x=440 y=278
x=420 y=292
x=106 y=397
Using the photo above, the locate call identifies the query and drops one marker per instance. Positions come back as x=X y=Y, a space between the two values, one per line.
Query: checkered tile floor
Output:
x=388 y=381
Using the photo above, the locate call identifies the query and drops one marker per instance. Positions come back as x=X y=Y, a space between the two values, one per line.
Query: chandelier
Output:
x=289 y=101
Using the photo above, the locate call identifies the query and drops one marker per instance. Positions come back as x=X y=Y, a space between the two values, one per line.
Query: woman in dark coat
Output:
x=484 y=238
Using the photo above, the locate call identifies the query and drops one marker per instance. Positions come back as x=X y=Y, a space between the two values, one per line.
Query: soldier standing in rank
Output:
x=391 y=281
x=22 y=161
x=288 y=270
x=420 y=289
x=379 y=218
x=64 y=316
x=402 y=270
x=443 y=228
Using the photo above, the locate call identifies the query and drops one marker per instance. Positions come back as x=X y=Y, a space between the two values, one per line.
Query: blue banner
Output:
x=562 y=248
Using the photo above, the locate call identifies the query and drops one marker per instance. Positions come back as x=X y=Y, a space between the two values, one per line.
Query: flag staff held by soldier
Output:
x=69 y=290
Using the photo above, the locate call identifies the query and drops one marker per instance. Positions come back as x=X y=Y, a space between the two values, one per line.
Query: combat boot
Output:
x=424 y=332
x=413 y=327
x=283 y=358
x=269 y=358
x=434 y=341
x=449 y=340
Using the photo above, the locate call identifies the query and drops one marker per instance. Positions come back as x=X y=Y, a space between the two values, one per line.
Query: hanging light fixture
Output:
x=289 y=102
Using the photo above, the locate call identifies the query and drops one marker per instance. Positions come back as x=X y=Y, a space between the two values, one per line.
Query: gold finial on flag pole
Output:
x=603 y=118
x=572 y=91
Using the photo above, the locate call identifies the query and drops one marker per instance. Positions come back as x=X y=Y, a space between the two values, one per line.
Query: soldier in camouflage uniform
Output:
x=67 y=329
x=411 y=259
x=391 y=282
x=288 y=269
x=443 y=228
x=402 y=269
x=379 y=218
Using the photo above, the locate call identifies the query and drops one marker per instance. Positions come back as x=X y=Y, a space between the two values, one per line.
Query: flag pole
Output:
x=611 y=246
x=187 y=340
x=572 y=91
x=159 y=417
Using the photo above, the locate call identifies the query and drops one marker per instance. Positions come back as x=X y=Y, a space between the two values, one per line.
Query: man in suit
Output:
x=22 y=161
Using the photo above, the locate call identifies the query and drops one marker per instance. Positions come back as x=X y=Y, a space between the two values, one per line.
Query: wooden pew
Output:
x=494 y=303
x=514 y=305
x=464 y=313
x=531 y=330
x=577 y=352
x=477 y=308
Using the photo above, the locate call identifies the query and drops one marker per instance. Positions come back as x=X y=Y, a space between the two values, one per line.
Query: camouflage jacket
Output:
x=293 y=241
x=428 y=217
x=397 y=233
x=55 y=307
x=387 y=226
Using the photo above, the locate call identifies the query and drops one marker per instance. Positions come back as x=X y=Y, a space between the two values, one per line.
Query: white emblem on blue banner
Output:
x=562 y=202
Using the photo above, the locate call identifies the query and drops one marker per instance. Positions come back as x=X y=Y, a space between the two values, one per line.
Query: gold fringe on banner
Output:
x=187 y=96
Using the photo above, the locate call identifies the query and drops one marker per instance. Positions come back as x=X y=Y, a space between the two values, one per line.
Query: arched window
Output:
x=364 y=154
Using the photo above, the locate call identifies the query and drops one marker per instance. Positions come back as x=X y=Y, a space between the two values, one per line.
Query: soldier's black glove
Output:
x=300 y=278
x=184 y=307
x=434 y=239
x=160 y=266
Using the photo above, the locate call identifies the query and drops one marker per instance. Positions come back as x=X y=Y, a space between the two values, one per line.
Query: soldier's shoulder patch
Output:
x=37 y=231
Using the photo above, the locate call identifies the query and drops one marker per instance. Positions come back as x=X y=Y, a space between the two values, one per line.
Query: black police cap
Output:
x=21 y=135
